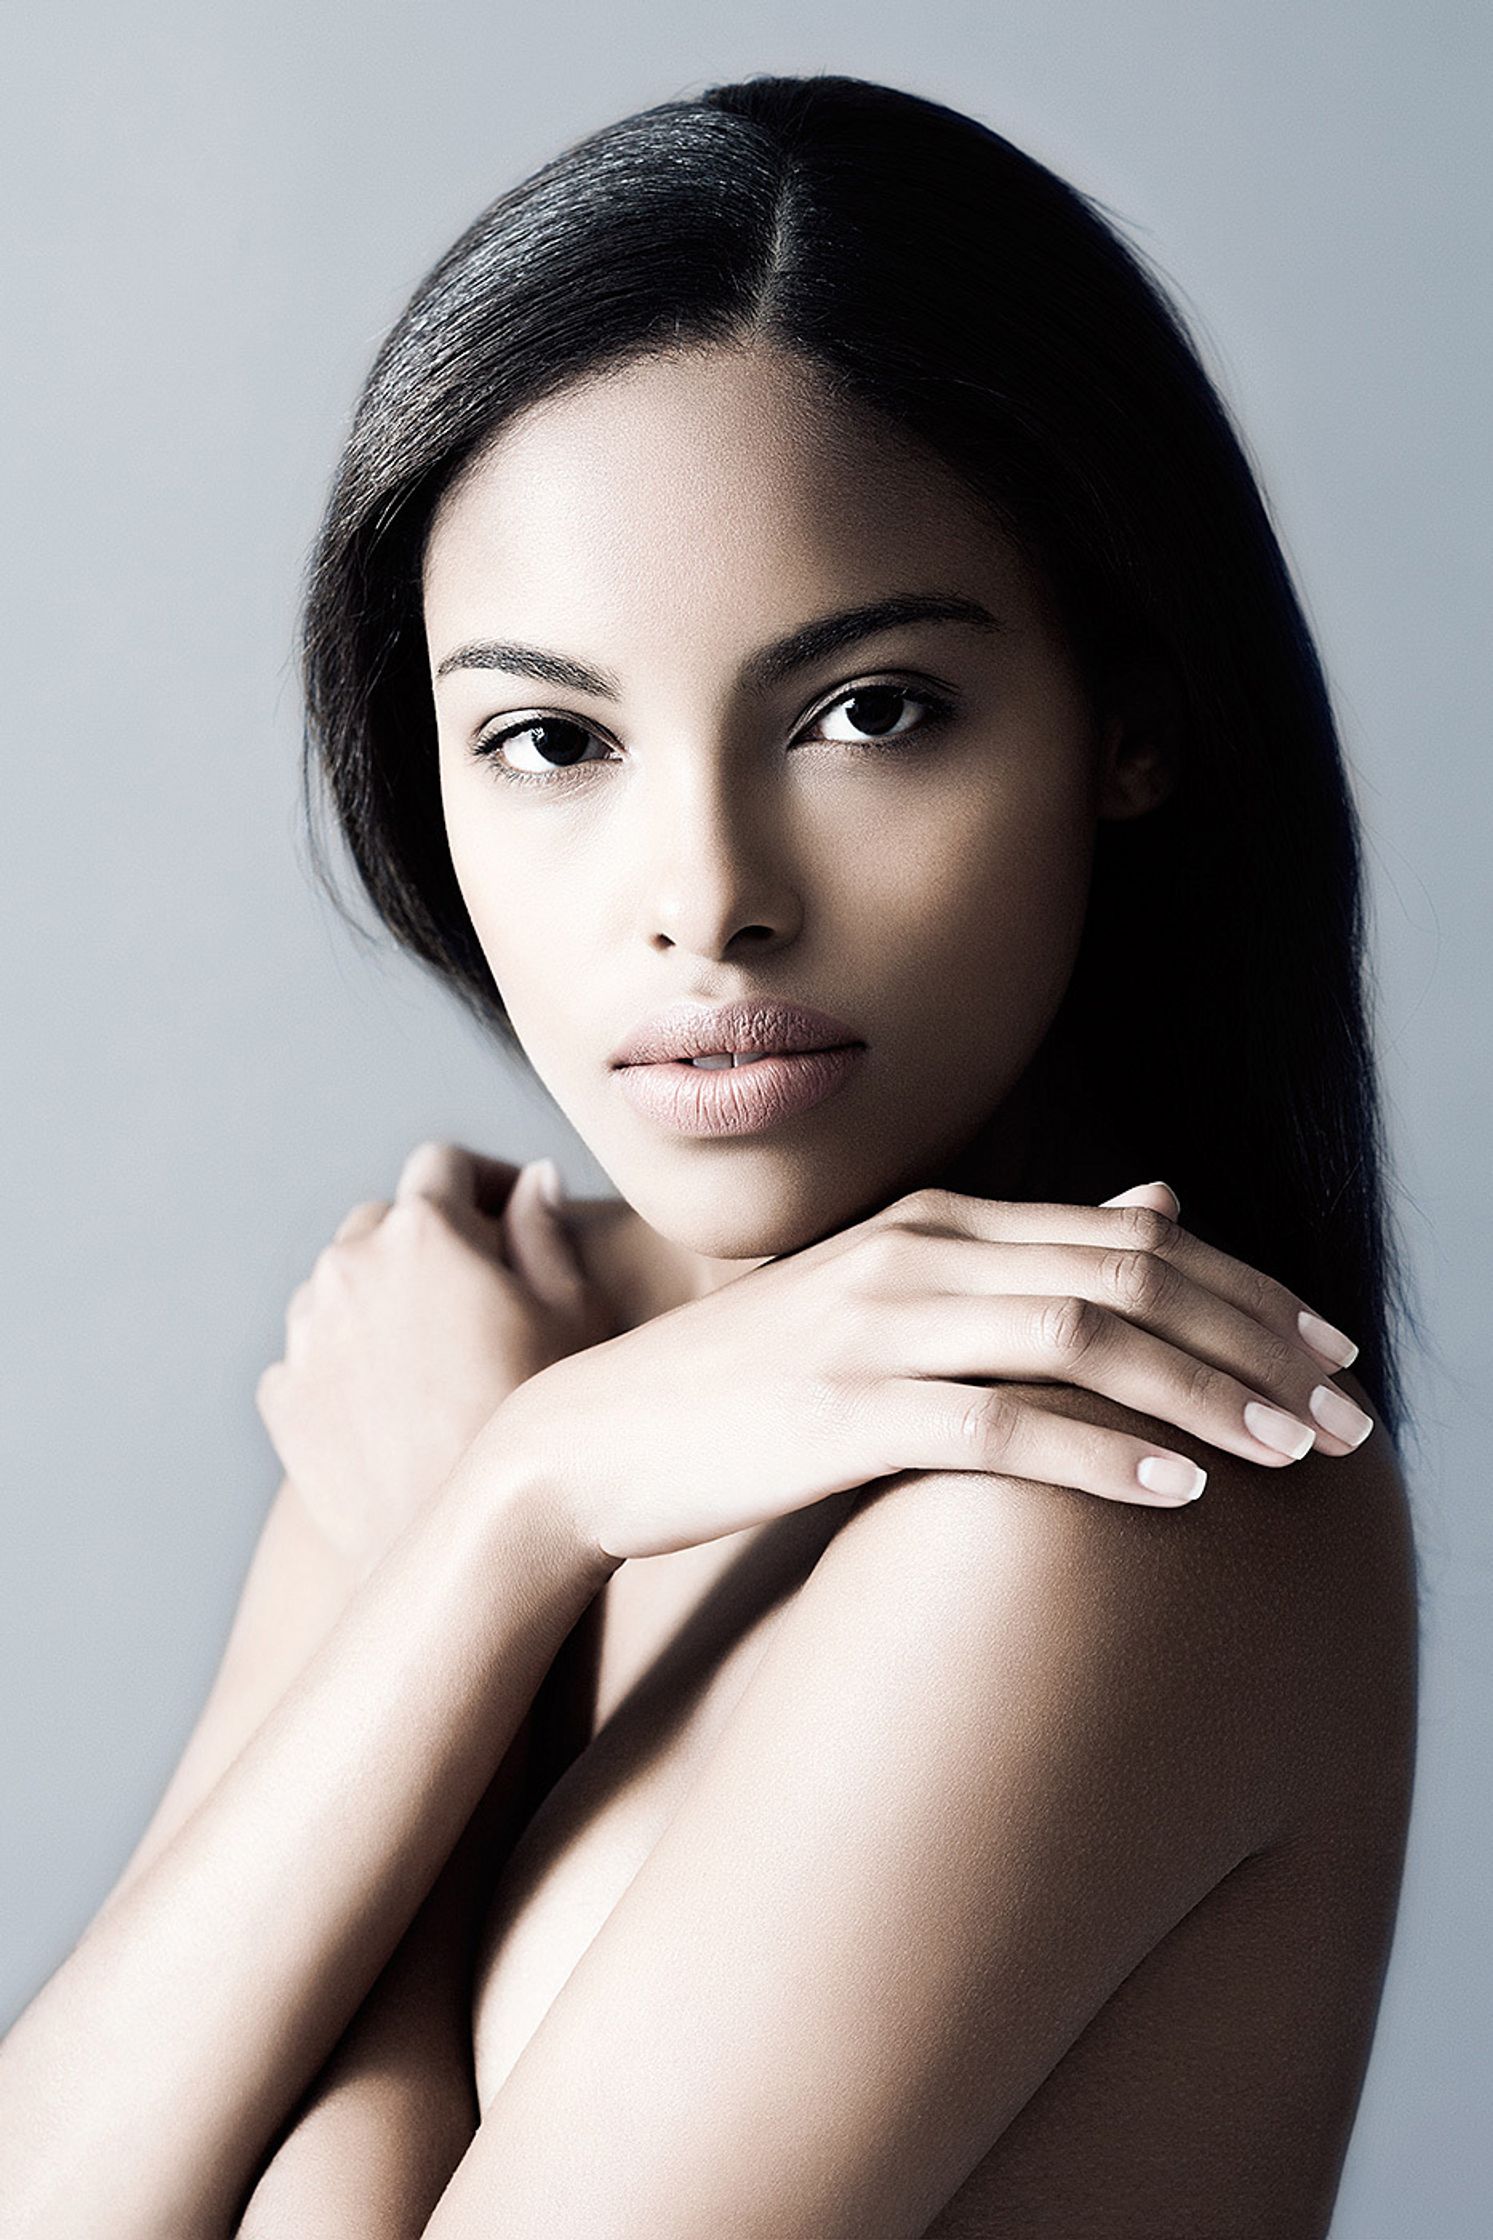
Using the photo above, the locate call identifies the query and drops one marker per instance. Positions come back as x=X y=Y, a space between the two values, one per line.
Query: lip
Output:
x=737 y=1100
x=698 y=1030
x=802 y=1057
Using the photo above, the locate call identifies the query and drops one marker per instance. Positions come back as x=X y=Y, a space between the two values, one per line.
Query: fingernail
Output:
x=1130 y=1197
x=1340 y=1415
x=551 y=1188
x=1274 y=1428
x=1171 y=1476
x=1325 y=1338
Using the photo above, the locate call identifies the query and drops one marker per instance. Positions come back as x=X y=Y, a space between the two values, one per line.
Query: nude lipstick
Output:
x=734 y=1069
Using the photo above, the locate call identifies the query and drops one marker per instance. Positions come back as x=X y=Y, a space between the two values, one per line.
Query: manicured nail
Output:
x=1134 y=1195
x=1172 y=1476
x=1339 y=1415
x=551 y=1188
x=1325 y=1338
x=1287 y=1434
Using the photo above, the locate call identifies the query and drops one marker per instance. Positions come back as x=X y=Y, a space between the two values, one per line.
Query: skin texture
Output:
x=1020 y=1777
x=1007 y=1740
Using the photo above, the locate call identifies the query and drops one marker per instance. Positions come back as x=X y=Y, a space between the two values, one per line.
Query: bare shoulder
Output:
x=1283 y=1603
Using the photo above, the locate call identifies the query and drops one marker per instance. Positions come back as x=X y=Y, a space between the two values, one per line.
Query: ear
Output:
x=1140 y=748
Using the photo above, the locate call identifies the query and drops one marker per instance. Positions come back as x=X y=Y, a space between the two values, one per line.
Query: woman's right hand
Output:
x=883 y=1348
x=417 y=1321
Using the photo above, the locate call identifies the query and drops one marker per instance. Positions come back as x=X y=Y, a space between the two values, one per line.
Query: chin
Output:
x=726 y=1218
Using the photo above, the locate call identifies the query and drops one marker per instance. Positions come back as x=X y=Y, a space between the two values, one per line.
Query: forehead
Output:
x=724 y=481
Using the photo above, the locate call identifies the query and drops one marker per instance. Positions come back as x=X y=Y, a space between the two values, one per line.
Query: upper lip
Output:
x=695 y=1030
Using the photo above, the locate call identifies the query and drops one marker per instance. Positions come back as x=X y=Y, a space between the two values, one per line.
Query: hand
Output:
x=417 y=1321
x=883 y=1348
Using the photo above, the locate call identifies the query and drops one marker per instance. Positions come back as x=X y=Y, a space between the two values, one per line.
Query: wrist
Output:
x=516 y=1469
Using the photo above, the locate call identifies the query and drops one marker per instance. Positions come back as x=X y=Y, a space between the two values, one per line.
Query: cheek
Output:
x=991 y=897
x=516 y=904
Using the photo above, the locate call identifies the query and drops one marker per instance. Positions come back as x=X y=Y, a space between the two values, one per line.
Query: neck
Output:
x=641 y=1272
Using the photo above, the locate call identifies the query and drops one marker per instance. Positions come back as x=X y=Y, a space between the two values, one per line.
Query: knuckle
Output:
x=432 y=1165
x=1200 y=1384
x=1279 y=1363
x=880 y=1262
x=833 y=1400
x=1264 y=1297
x=418 y=1214
x=987 y=1425
x=1142 y=1228
x=430 y=1147
x=1067 y=1328
x=1137 y=1281
x=930 y=1203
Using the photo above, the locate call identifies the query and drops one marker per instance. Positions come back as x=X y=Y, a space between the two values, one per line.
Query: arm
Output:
x=391 y=2112
x=1005 y=1738
x=294 y=1591
x=379 y=2130
x=387 y=2118
x=142 y=2086
x=384 y=2123
x=367 y=2152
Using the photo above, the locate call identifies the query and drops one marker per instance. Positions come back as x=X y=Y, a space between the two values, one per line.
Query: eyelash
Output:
x=936 y=706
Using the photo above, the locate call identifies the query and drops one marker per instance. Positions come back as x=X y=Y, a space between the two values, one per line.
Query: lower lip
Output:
x=737 y=1100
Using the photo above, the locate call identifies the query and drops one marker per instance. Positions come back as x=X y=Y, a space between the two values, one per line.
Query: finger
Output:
x=1156 y=1294
x=494 y=1179
x=1134 y=1228
x=536 y=1243
x=360 y=1220
x=1161 y=1195
x=950 y=1426
x=443 y=1171
x=1071 y=1340
x=298 y=1310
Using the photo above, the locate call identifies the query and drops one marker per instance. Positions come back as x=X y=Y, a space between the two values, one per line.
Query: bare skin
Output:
x=1277 y=1957
x=974 y=1644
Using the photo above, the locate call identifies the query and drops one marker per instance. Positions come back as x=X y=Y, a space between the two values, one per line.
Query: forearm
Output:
x=296 y=1588
x=370 y=2149
x=142 y=2086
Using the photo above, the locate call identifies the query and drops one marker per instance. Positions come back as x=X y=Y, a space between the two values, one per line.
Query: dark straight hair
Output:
x=1216 y=1028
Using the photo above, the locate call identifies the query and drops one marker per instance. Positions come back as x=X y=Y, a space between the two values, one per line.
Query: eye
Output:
x=564 y=741
x=556 y=744
x=872 y=710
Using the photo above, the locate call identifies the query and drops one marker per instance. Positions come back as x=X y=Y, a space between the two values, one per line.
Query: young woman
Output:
x=796 y=644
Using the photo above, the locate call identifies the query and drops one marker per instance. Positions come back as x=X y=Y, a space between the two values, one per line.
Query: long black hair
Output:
x=1216 y=1029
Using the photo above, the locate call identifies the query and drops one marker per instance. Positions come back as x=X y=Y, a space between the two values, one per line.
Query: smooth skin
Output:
x=982 y=1646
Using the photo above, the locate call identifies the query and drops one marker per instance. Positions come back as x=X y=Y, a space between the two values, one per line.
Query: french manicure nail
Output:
x=1325 y=1338
x=1171 y=1476
x=1287 y=1434
x=1340 y=1415
x=551 y=1189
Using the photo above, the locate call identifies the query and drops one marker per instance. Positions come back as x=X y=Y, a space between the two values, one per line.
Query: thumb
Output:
x=536 y=1243
x=1161 y=1195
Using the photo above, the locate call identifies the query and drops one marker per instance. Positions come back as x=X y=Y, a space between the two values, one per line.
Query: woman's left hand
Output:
x=419 y=1318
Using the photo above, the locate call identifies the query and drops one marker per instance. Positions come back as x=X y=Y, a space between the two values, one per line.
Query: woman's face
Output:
x=683 y=825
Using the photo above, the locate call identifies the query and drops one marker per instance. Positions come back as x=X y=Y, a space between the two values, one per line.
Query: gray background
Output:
x=211 y=214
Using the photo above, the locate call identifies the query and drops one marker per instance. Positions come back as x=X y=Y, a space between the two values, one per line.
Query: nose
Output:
x=718 y=879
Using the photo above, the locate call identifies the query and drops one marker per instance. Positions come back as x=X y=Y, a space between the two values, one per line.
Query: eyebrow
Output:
x=763 y=669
